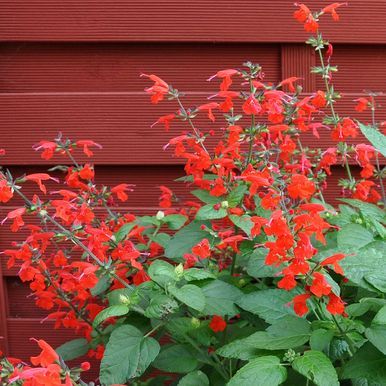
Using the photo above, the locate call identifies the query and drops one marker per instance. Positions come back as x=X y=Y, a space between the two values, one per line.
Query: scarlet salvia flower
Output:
x=362 y=104
x=301 y=187
x=335 y=304
x=202 y=249
x=332 y=10
x=290 y=83
x=209 y=107
x=166 y=197
x=320 y=286
x=288 y=282
x=87 y=172
x=158 y=90
x=217 y=324
x=252 y=106
x=165 y=119
x=48 y=148
x=333 y=260
x=226 y=76
x=345 y=129
x=38 y=178
x=86 y=144
x=300 y=304
x=47 y=357
x=120 y=191
x=15 y=215
x=5 y=191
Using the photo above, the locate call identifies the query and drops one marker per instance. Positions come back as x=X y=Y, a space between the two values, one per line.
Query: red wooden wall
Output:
x=73 y=66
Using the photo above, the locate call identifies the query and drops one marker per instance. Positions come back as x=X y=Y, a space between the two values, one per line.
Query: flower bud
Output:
x=179 y=270
x=160 y=215
x=195 y=322
x=224 y=204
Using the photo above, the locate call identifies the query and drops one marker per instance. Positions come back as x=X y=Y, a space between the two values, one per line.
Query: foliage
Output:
x=255 y=280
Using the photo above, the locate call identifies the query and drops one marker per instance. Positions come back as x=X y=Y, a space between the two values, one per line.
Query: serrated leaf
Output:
x=354 y=236
x=189 y=294
x=127 y=355
x=162 y=273
x=365 y=264
x=109 y=312
x=289 y=333
x=115 y=297
x=186 y=238
x=176 y=358
x=208 y=212
x=271 y=305
x=262 y=371
x=376 y=333
x=175 y=221
x=73 y=349
x=160 y=306
x=368 y=363
x=236 y=195
x=123 y=231
x=195 y=378
x=220 y=298
x=197 y=274
x=256 y=266
x=376 y=138
x=243 y=222
x=316 y=366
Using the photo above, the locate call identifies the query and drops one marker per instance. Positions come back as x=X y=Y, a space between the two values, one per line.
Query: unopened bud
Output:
x=179 y=270
x=160 y=215
x=195 y=322
x=224 y=204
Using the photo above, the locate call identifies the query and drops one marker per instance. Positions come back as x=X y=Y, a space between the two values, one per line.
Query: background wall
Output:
x=73 y=66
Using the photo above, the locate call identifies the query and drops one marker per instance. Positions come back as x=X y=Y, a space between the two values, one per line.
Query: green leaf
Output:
x=128 y=354
x=236 y=195
x=316 y=366
x=189 y=294
x=376 y=333
x=354 y=236
x=289 y=333
x=376 y=138
x=367 y=362
x=120 y=295
x=366 y=265
x=207 y=212
x=206 y=197
x=162 y=273
x=196 y=378
x=160 y=306
x=186 y=238
x=197 y=274
x=221 y=298
x=320 y=339
x=73 y=349
x=367 y=209
x=102 y=285
x=175 y=221
x=123 y=231
x=271 y=305
x=176 y=358
x=256 y=266
x=109 y=312
x=261 y=371
x=161 y=239
x=243 y=222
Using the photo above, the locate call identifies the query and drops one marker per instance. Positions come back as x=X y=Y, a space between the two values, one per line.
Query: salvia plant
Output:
x=256 y=280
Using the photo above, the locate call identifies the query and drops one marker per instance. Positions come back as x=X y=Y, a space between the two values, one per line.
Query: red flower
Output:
x=87 y=172
x=158 y=90
x=332 y=9
x=15 y=215
x=86 y=143
x=120 y=191
x=252 y=106
x=335 y=304
x=288 y=282
x=300 y=304
x=47 y=357
x=319 y=100
x=329 y=158
x=38 y=178
x=364 y=191
x=165 y=119
x=289 y=82
x=140 y=277
x=301 y=187
x=302 y=13
x=5 y=191
x=202 y=249
x=345 y=129
x=217 y=324
x=333 y=260
x=166 y=197
x=225 y=75
x=362 y=104
x=48 y=149
x=320 y=285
